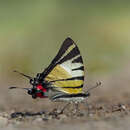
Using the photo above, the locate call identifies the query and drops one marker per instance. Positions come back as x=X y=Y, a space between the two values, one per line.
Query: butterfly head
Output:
x=38 y=90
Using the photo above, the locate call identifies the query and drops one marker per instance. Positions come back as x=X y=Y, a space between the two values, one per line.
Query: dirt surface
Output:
x=98 y=116
x=108 y=108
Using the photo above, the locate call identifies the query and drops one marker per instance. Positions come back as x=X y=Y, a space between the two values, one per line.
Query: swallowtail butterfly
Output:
x=63 y=79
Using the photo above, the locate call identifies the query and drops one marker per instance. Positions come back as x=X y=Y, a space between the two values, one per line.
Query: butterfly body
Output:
x=55 y=95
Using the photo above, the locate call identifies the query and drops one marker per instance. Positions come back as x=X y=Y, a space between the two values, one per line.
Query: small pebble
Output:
x=37 y=120
x=62 y=116
x=123 y=107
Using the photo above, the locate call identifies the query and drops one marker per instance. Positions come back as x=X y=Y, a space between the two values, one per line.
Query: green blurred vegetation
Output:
x=31 y=33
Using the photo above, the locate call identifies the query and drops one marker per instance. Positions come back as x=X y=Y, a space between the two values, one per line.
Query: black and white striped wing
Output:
x=66 y=71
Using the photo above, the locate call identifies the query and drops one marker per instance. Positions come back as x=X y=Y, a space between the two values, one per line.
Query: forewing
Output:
x=66 y=71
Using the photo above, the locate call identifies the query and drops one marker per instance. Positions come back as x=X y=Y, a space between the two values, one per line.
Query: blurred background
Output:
x=31 y=33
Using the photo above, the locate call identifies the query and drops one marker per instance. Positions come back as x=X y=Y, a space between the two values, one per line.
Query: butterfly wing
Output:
x=66 y=71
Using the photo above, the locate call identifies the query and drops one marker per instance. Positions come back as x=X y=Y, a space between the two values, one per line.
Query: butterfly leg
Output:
x=62 y=110
x=77 y=107
x=88 y=109
x=76 y=110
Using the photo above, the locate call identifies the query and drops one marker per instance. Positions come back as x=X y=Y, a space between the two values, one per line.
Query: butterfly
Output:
x=63 y=79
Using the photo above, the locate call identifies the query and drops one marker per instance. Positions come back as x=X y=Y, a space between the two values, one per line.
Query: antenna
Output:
x=19 y=88
x=29 y=77
x=97 y=85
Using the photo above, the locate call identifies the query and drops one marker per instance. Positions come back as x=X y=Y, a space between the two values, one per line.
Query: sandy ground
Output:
x=109 y=108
